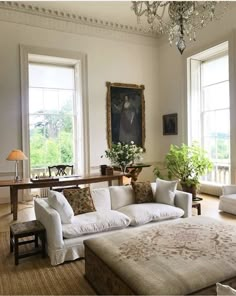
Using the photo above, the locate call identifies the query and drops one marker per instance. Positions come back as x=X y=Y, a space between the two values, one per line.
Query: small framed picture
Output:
x=170 y=124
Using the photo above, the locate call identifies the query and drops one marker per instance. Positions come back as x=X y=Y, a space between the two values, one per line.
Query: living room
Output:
x=108 y=54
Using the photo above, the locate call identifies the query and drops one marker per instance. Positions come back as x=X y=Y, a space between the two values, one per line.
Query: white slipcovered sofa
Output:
x=115 y=209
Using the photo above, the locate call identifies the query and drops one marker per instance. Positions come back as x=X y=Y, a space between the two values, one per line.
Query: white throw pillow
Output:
x=101 y=199
x=95 y=222
x=165 y=191
x=224 y=290
x=58 y=201
x=121 y=196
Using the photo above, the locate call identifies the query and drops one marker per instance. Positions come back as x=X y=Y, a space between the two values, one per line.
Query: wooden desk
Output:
x=28 y=184
x=132 y=171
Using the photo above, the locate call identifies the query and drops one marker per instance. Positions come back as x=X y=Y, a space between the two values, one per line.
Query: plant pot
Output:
x=190 y=189
x=123 y=168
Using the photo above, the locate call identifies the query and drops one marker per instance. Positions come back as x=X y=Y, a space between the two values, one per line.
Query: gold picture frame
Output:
x=125 y=113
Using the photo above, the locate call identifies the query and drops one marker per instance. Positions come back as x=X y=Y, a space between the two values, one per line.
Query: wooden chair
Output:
x=61 y=170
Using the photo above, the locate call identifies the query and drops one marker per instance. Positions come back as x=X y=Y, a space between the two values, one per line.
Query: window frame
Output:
x=79 y=61
x=195 y=93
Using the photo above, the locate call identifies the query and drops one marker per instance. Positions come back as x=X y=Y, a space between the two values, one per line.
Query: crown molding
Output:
x=70 y=20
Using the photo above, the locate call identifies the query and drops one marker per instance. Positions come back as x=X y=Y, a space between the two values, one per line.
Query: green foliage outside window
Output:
x=51 y=140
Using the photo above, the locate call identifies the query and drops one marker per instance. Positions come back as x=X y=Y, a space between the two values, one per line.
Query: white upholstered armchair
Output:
x=228 y=199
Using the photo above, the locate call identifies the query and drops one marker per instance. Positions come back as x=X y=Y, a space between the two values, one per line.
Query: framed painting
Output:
x=125 y=113
x=170 y=124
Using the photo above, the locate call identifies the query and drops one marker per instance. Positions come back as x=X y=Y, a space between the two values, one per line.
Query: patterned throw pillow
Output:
x=80 y=200
x=142 y=192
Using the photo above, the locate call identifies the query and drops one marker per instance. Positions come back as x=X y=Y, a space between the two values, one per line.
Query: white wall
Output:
x=172 y=73
x=114 y=57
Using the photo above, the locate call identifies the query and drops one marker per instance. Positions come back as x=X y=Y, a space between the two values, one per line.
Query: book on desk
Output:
x=39 y=179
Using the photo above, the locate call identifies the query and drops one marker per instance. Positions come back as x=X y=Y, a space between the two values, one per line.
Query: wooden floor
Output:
x=209 y=206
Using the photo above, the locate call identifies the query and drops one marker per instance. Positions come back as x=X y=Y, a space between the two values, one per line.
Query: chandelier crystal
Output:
x=177 y=19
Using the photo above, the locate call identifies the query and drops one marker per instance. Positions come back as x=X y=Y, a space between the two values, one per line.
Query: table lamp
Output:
x=16 y=155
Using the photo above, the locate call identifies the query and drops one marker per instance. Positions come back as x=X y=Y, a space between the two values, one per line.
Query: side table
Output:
x=197 y=205
x=26 y=229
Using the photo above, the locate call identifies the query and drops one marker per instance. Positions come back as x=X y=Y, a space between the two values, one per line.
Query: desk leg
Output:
x=11 y=199
x=14 y=201
x=120 y=180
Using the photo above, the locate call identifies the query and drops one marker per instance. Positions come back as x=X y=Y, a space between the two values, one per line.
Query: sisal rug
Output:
x=35 y=276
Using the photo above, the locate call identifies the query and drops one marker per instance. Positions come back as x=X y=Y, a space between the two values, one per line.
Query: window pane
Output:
x=215 y=70
x=66 y=100
x=223 y=149
x=210 y=146
x=222 y=124
x=216 y=96
x=51 y=103
x=216 y=123
x=36 y=101
x=51 y=76
x=51 y=140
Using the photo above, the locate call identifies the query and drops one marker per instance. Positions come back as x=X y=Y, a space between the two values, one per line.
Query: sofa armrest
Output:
x=183 y=200
x=51 y=220
x=229 y=189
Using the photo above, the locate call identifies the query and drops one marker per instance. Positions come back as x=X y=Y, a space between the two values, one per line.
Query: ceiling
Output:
x=112 y=11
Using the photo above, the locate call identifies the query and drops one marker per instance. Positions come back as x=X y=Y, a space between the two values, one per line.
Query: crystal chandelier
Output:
x=177 y=19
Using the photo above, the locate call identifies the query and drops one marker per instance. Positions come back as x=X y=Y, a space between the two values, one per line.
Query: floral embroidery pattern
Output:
x=143 y=192
x=188 y=240
x=80 y=200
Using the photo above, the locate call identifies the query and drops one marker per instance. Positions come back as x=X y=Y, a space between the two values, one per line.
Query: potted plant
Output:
x=123 y=154
x=186 y=163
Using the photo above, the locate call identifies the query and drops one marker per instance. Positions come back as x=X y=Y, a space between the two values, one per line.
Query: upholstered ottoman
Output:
x=228 y=203
x=179 y=257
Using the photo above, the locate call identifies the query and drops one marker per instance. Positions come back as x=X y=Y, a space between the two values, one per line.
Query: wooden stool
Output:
x=197 y=205
x=25 y=229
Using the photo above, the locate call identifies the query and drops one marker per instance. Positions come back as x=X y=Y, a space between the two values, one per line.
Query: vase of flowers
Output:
x=123 y=154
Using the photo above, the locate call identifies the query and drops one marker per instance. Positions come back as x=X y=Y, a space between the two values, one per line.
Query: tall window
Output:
x=51 y=116
x=209 y=116
x=54 y=109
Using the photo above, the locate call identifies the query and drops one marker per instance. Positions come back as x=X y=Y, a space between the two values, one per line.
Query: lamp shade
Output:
x=16 y=155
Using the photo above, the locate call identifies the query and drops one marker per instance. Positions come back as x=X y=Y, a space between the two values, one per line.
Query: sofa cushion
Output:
x=80 y=200
x=95 y=222
x=141 y=213
x=146 y=212
x=165 y=191
x=169 y=212
x=101 y=199
x=121 y=196
x=142 y=192
x=58 y=201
